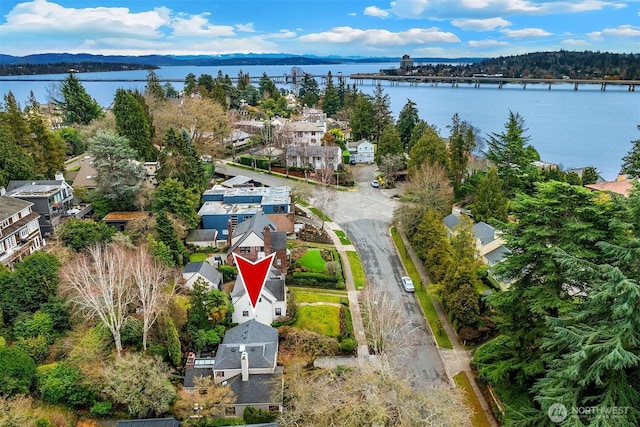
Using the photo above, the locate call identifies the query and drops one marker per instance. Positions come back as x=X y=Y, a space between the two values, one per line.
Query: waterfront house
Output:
x=19 y=230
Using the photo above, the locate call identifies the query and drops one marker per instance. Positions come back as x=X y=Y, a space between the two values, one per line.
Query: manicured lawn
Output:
x=356 y=269
x=322 y=319
x=312 y=260
x=478 y=416
x=424 y=296
x=197 y=257
x=320 y=214
x=343 y=238
x=481 y=287
x=317 y=295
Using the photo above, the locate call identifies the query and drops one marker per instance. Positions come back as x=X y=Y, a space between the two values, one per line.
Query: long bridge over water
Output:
x=378 y=79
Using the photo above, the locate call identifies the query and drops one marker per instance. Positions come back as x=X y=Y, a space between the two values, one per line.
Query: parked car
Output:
x=407 y=284
x=375 y=183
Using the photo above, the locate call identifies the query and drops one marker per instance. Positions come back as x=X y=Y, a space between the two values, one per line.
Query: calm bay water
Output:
x=567 y=127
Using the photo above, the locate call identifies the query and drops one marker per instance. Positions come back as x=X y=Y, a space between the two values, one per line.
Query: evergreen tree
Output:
x=590 y=175
x=268 y=88
x=309 y=91
x=431 y=149
x=119 y=178
x=631 y=162
x=513 y=156
x=490 y=201
x=190 y=84
x=49 y=149
x=180 y=160
x=166 y=234
x=593 y=353
x=559 y=217
x=16 y=122
x=362 y=118
x=15 y=163
x=76 y=104
x=172 y=196
x=132 y=122
x=462 y=142
x=381 y=112
x=331 y=98
x=416 y=133
x=389 y=143
x=153 y=88
x=407 y=121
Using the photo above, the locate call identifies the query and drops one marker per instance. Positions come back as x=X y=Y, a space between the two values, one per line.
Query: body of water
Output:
x=580 y=128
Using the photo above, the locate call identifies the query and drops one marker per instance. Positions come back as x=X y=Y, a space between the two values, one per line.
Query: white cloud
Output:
x=352 y=14
x=199 y=26
x=282 y=34
x=480 y=24
x=486 y=43
x=245 y=28
x=526 y=32
x=575 y=42
x=375 y=11
x=343 y=35
x=622 y=31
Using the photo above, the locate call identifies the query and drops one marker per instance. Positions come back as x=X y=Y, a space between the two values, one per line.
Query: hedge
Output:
x=320 y=280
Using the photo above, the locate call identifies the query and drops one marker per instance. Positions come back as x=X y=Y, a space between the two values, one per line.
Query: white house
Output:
x=316 y=157
x=204 y=271
x=271 y=304
x=307 y=133
x=19 y=230
x=362 y=151
x=238 y=138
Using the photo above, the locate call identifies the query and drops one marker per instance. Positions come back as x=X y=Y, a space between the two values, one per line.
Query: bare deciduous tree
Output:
x=325 y=194
x=206 y=400
x=388 y=333
x=429 y=188
x=365 y=396
x=98 y=284
x=154 y=283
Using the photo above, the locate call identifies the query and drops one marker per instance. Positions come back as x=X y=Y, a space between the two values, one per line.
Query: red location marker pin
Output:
x=253 y=275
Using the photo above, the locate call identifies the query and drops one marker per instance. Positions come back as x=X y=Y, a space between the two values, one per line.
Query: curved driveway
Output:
x=365 y=215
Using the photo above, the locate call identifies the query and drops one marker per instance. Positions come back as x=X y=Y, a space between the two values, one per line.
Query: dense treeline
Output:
x=66 y=67
x=575 y=65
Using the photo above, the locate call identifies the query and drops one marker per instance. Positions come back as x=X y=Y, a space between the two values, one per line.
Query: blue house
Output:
x=225 y=208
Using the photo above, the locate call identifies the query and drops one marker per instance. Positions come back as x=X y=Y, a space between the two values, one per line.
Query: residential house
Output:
x=271 y=304
x=490 y=244
x=234 y=205
x=237 y=139
x=52 y=199
x=149 y=422
x=120 y=220
x=362 y=151
x=621 y=186
x=256 y=238
x=202 y=238
x=580 y=171
x=86 y=176
x=315 y=157
x=246 y=361
x=19 y=230
x=203 y=271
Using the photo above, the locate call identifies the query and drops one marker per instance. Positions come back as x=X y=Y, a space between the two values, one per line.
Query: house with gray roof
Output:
x=195 y=271
x=19 y=230
x=258 y=237
x=246 y=361
x=271 y=304
x=315 y=157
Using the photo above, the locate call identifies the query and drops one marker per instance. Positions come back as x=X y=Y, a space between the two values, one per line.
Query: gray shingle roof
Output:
x=274 y=284
x=451 y=221
x=497 y=255
x=260 y=341
x=484 y=232
x=10 y=206
x=259 y=389
x=205 y=269
x=150 y=422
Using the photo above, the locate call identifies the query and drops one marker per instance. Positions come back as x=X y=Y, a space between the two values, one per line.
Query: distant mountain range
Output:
x=203 y=60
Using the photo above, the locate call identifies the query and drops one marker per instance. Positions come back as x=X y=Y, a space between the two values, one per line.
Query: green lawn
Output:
x=478 y=416
x=343 y=238
x=424 y=295
x=317 y=295
x=356 y=269
x=320 y=214
x=197 y=257
x=312 y=260
x=322 y=319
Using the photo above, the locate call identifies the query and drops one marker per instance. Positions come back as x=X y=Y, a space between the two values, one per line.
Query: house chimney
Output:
x=244 y=365
x=266 y=234
x=229 y=231
x=3 y=191
x=59 y=176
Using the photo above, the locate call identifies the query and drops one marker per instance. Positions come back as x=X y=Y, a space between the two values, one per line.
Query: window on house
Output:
x=245 y=313
x=274 y=408
x=229 y=411
x=278 y=262
x=219 y=373
x=245 y=250
x=278 y=311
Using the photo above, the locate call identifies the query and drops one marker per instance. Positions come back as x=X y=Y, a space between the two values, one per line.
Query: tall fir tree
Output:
x=381 y=112
x=407 y=120
x=132 y=122
x=330 y=99
x=462 y=142
x=490 y=202
x=76 y=104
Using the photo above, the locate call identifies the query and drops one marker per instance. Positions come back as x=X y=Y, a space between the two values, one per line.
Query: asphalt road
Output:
x=365 y=215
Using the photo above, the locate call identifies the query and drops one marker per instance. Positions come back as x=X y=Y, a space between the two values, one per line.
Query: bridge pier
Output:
x=603 y=86
x=575 y=86
x=524 y=85
x=632 y=88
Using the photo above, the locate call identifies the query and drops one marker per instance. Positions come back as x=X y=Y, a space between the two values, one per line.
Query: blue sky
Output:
x=420 y=28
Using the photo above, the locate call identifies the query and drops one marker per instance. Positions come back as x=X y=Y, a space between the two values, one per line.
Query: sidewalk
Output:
x=458 y=359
